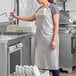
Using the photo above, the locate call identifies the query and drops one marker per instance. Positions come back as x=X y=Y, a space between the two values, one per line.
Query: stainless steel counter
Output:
x=8 y=37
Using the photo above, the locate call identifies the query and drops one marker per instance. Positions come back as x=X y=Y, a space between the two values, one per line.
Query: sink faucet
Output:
x=3 y=14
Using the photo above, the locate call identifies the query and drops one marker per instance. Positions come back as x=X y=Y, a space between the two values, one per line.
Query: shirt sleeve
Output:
x=54 y=10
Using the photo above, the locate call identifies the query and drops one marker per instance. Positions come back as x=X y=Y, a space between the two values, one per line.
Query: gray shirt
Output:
x=54 y=9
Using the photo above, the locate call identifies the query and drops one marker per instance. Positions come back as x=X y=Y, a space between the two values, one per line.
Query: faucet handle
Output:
x=10 y=18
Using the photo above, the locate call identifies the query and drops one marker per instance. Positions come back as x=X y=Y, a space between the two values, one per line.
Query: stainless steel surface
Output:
x=67 y=50
x=64 y=17
x=14 y=33
x=12 y=37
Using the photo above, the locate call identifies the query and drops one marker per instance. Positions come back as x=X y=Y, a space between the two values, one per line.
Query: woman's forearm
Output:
x=25 y=18
x=55 y=33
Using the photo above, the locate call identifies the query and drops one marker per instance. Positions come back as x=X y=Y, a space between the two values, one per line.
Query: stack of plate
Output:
x=30 y=71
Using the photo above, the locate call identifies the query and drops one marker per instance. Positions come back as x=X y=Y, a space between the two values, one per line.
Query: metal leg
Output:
x=69 y=70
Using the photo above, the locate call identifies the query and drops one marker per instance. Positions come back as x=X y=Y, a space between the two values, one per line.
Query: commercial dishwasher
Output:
x=67 y=50
x=12 y=52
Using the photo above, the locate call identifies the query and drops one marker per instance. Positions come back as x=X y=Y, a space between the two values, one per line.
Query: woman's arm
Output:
x=31 y=18
x=56 y=26
x=55 y=30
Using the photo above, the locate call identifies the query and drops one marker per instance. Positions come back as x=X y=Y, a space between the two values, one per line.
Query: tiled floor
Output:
x=67 y=74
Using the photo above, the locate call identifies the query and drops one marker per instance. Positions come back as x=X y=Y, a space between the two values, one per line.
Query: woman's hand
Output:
x=53 y=45
x=13 y=14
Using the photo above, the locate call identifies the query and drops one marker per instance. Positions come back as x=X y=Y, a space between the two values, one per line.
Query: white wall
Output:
x=6 y=6
x=27 y=8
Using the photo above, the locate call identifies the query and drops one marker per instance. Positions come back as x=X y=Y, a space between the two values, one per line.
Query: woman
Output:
x=47 y=41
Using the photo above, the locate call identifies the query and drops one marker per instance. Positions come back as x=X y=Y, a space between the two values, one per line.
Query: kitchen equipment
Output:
x=12 y=51
x=15 y=55
x=64 y=17
x=63 y=0
x=67 y=48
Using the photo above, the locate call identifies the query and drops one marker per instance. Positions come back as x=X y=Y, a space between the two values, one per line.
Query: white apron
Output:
x=45 y=58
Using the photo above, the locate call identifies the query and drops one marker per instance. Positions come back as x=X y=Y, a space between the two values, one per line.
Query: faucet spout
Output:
x=3 y=14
